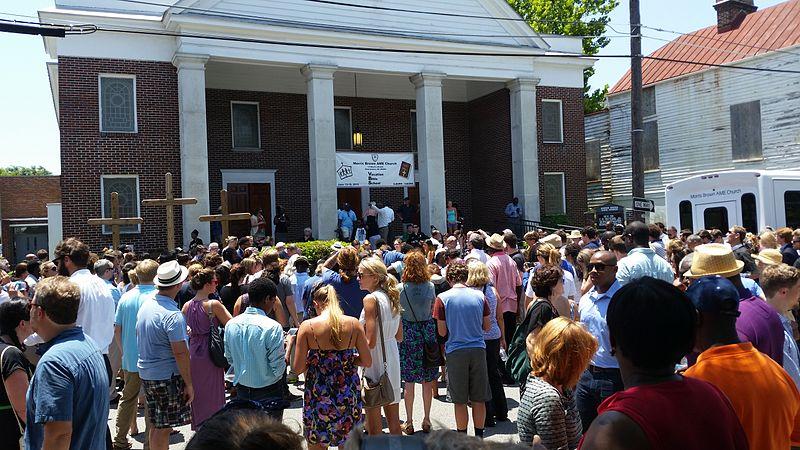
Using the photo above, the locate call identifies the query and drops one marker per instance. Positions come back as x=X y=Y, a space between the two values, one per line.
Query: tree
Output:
x=19 y=171
x=573 y=18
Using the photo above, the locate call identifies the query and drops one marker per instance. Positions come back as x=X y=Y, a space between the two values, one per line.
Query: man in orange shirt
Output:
x=761 y=392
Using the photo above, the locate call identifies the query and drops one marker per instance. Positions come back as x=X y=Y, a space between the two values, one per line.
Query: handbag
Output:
x=19 y=424
x=380 y=392
x=216 y=343
x=518 y=363
x=431 y=351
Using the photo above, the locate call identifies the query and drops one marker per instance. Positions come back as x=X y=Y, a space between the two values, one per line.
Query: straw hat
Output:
x=769 y=256
x=495 y=241
x=714 y=259
x=574 y=234
x=552 y=239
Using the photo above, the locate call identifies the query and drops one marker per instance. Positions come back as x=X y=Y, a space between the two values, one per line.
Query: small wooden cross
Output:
x=169 y=202
x=225 y=217
x=115 y=221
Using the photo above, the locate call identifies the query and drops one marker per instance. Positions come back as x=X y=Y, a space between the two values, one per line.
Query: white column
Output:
x=321 y=149
x=194 y=143
x=430 y=145
x=524 y=145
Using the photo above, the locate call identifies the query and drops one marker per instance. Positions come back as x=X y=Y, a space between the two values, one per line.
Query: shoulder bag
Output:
x=380 y=392
x=431 y=352
x=216 y=342
x=19 y=424
x=518 y=365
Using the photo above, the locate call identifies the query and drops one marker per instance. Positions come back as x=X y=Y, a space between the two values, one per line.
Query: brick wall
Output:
x=490 y=158
x=568 y=157
x=477 y=147
x=23 y=197
x=87 y=154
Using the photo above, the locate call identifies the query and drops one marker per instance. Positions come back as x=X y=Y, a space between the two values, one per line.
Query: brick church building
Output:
x=258 y=96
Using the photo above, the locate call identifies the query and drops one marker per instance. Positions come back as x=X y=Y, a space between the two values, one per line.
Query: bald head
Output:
x=602 y=269
x=638 y=233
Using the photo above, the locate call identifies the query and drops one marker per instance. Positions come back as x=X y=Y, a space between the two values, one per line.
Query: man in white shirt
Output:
x=96 y=310
x=477 y=243
x=641 y=260
x=385 y=218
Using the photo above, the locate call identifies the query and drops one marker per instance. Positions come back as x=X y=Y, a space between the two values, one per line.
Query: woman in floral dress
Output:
x=417 y=294
x=330 y=348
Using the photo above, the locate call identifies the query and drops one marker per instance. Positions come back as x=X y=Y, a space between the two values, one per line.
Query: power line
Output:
x=710 y=38
x=430 y=52
x=379 y=8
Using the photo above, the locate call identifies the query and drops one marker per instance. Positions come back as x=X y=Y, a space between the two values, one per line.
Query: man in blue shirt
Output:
x=602 y=378
x=254 y=347
x=642 y=261
x=589 y=238
x=125 y=333
x=67 y=401
x=346 y=218
x=164 y=356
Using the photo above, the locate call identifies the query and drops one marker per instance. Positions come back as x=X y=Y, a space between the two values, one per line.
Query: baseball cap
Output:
x=714 y=294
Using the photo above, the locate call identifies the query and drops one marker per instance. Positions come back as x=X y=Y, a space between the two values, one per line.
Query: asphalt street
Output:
x=441 y=416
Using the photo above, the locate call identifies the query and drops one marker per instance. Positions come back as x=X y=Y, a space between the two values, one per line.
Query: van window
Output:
x=791 y=205
x=685 y=215
x=716 y=218
x=749 y=214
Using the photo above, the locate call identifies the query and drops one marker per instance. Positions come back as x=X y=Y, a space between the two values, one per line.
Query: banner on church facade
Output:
x=354 y=169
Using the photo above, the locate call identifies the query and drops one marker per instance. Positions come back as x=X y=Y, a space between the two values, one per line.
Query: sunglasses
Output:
x=600 y=267
x=362 y=274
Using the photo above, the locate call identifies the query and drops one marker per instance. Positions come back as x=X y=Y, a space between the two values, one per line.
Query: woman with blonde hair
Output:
x=559 y=354
x=417 y=294
x=478 y=279
x=329 y=349
x=548 y=256
x=381 y=319
x=767 y=239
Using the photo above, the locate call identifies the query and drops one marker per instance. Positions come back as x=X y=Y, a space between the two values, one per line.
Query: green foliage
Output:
x=554 y=220
x=573 y=18
x=20 y=171
x=315 y=250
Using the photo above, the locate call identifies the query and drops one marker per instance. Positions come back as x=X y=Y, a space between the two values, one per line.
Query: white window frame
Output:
x=100 y=101
x=563 y=190
x=258 y=124
x=560 y=121
x=102 y=203
x=349 y=114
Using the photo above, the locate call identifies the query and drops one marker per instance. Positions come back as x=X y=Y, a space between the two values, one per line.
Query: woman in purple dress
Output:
x=208 y=379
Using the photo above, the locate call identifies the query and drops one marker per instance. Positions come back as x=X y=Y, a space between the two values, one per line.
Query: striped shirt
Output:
x=552 y=415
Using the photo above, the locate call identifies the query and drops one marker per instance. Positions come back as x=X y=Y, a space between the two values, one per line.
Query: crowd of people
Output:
x=629 y=337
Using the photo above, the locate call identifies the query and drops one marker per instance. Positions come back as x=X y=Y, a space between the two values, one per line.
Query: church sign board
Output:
x=355 y=169
x=610 y=212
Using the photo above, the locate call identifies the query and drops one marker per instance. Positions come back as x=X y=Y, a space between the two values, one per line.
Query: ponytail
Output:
x=555 y=258
x=550 y=254
x=389 y=286
x=327 y=295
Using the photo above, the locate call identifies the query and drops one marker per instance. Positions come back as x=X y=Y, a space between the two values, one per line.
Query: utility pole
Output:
x=637 y=123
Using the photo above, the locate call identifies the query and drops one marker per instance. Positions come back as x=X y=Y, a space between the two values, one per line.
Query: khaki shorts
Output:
x=467 y=376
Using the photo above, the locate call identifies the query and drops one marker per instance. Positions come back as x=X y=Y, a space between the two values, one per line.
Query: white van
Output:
x=753 y=199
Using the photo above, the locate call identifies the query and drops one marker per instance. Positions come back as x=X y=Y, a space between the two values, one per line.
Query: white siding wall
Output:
x=597 y=128
x=694 y=134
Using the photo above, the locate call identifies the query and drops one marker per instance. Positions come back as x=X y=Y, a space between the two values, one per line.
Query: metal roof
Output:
x=763 y=31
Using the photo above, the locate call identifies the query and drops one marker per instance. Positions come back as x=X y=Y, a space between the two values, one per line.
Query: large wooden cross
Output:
x=225 y=217
x=115 y=221
x=169 y=202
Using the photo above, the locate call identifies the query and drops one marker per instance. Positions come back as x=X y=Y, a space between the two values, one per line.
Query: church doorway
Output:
x=351 y=196
x=249 y=197
x=249 y=190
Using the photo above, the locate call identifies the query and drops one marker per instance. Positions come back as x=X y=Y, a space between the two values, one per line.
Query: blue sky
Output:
x=28 y=128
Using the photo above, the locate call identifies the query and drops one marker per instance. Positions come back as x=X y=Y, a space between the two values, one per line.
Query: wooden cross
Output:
x=115 y=221
x=225 y=217
x=169 y=202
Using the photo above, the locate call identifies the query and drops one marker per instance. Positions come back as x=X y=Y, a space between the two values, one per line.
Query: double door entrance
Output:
x=249 y=198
